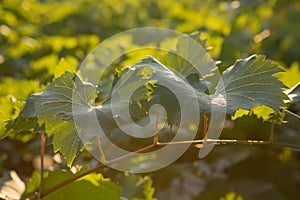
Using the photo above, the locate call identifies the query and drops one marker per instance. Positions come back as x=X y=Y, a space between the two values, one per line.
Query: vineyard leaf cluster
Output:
x=248 y=83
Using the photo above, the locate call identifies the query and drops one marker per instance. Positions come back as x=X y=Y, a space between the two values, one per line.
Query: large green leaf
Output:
x=53 y=107
x=177 y=80
x=250 y=82
x=57 y=98
x=65 y=136
x=91 y=186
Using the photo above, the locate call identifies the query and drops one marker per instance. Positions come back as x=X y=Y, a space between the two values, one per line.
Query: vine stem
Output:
x=42 y=151
x=216 y=141
x=132 y=153
x=232 y=141
x=66 y=182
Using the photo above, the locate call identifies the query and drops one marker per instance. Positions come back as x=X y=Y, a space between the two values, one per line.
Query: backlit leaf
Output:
x=54 y=109
x=90 y=187
x=250 y=82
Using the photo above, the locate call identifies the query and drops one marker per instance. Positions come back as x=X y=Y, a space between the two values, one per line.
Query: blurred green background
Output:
x=37 y=36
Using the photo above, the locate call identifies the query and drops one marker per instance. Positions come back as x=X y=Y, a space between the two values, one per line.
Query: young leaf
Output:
x=250 y=82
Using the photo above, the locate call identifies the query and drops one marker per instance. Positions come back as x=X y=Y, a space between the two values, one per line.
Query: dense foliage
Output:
x=42 y=44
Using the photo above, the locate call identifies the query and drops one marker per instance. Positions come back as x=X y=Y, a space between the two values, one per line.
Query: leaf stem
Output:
x=132 y=153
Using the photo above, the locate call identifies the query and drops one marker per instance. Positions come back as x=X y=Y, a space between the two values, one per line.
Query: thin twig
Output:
x=132 y=153
x=291 y=113
x=231 y=141
x=216 y=141
x=292 y=146
x=66 y=182
x=94 y=169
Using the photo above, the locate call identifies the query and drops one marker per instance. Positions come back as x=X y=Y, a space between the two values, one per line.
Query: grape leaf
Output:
x=22 y=128
x=91 y=186
x=265 y=113
x=68 y=64
x=53 y=107
x=250 y=82
x=65 y=137
x=167 y=82
x=57 y=98
x=7 y=112
x=194 y=80
x=188 y=47
x=164 y=73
